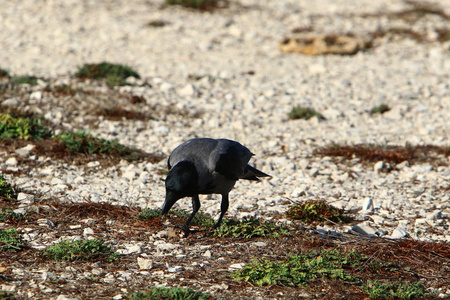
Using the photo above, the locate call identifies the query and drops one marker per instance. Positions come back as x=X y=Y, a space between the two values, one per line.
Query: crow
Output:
x=206 y=166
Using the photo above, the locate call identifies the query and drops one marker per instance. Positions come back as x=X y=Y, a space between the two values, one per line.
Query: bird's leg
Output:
x=223 y=210
x=195 y=209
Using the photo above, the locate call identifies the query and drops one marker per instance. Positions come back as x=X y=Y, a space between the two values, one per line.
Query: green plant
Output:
x=4 y=295
x=8 y=214
x=4 y=73
x=22 y=127
x=114 y=74
x=6 y=190
x=380 y=109
x=150 y=213
x=250 y=228
x=80 y=250
x=398 y=290
x=176 y=293
x=196 y=4
x=10 y=240
x=26 y=79
x=317 y=211
x=306 y=113
x=63 y=89
x=299 y=269
x=82 y=142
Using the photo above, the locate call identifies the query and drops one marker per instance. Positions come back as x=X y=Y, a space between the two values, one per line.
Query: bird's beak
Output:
x=171 y=198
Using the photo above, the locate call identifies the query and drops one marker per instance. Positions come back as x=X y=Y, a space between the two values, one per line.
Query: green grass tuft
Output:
x=394 y=290
x=114 y=74
x=10 y=240
x=161 y=293
x=317 y=211
x=82 y=142
x=85 y=250
x=22 y=127
x=250 y=228
x=380 y=109
x=306 y=113
x=196 y=4
x=4 y=73
x=31 y=80
x=299 y=269
x=6 y=189
x=7 y=214
x=4 y=295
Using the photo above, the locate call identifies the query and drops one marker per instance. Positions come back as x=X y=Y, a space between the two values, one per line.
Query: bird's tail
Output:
x=251 y=173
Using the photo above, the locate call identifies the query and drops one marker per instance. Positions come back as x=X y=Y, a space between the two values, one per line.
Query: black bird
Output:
x=206 y=166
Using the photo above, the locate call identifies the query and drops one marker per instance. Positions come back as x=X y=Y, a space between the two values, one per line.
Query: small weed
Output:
x=200 y=219
x=197 y=4
x=10 y=240
x=317 y=211
x=4 y=295
x=390 y=154
x=250 y=228
x=31 y=80
x=82 y=142
x=150 y=213
x=394 y=290
x=6 y=189
x=118 y=113
x=299 y=269
x=62 y=90
x=380 y=109
x=160 y=293
x=306 y=113
x=22 y=127
x=4 y=73
x=8 y=214
x=114 y=74
x=85 y=250
x=157 y=23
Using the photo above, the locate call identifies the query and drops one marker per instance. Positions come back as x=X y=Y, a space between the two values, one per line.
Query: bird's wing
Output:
x=229 y=159
x=196 y=150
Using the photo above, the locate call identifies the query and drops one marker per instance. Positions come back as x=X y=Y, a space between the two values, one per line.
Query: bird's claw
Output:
x=186 y=231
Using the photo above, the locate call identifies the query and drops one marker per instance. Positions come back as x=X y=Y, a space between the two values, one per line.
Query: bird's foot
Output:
x=186 y=230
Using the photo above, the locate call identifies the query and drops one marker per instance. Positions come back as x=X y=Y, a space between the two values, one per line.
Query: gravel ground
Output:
x=245 y=89
x=221 y=74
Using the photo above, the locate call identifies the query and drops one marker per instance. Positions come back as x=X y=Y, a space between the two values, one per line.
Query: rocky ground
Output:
x=221 y=74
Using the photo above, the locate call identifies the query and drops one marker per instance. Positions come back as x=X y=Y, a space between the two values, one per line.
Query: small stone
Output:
x=20 y=211
x=187 y=90
x=11 y=102
x=236 y=266
x=399 y=233
x=45 y=222
x=134 y=249
x=378 y=167
x=24 y=198
x=36 y=95
x=175 y=269
x=56 y=181
x=129 y=175
x=88 y=231
x=64 y=297
x=367 y=205
x=364 y=229
x=259 y=244
x=167 y=246
x=24 y=151
x=207 y=253
x=12 y=161
x=93 y=164
x=144 y=263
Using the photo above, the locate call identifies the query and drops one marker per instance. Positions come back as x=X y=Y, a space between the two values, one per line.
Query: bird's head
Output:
x=182 y=181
